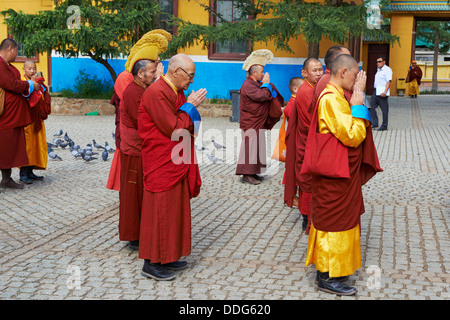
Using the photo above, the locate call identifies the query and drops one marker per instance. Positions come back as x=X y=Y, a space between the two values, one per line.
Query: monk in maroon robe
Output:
x=131 y=175
x=312 y=71
x=14 y=114
x=256 y=95
x=341 y=157
x=291 y=175
x=171 y=174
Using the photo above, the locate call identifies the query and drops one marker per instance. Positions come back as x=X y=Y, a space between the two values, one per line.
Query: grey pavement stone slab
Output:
x=59 y=236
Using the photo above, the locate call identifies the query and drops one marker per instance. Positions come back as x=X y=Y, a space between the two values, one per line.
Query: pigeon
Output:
x=58 y=134
x=98 y=146
x=75 y=152
x=57 y=141
x=66 y=137
x=200 y=148
x=87 y=158
x=213 y=159
x=218 y=146
x=51 y=145
x=108 y=148
x=104 y=155
x=53 y=155
x=63 y=144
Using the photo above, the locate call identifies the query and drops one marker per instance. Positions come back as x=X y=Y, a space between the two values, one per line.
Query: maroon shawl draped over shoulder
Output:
x=16 y=111
x=159 y=118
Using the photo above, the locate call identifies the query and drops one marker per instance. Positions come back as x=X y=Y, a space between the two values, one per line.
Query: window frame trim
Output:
x=212 y=54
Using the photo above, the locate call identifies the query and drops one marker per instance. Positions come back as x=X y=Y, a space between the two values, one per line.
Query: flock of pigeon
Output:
x=87 y=153
x=212 y=158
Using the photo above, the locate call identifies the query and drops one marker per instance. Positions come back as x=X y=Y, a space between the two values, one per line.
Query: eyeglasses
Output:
x=190 y=75
x=380 y=61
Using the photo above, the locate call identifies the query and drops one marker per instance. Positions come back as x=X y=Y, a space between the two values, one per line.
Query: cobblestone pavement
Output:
x=59 y=237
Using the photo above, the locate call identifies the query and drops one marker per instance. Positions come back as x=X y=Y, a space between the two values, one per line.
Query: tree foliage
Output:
x=438 y=34
x=282 y=21
x=106 y=29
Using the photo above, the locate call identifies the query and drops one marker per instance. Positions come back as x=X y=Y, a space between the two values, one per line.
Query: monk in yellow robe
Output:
x=35 y=134
x=347 y=161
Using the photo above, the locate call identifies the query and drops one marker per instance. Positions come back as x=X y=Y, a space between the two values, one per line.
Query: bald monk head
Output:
x=344 y=70
x=345 y=73
x=181 y=71
x=29 y=69
x=312 y=70
x=8 y=50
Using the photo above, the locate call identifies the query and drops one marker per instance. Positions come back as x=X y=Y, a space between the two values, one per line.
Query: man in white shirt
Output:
x=383 y=79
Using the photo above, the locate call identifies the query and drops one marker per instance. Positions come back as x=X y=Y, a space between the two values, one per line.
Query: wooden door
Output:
x=374 y=52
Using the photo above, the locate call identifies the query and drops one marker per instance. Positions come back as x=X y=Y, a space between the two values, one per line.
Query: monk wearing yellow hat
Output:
x=144 y=66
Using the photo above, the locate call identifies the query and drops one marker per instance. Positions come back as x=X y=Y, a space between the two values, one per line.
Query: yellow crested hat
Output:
x=149 y=47
x=261 y=57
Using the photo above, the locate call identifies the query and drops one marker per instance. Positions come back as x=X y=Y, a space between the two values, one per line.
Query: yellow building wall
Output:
x=27 y=6
x=193 y=12
x=400 y=54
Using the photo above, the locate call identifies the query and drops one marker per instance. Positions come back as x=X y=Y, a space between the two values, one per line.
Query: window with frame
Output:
x=230 y=49
x=168 y=7
x=20 y=56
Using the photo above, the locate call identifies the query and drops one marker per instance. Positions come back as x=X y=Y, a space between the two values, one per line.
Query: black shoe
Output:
x=340 y=279
x=304 y=222
x=134 y=245
x=374 y=126
x=176 y=266
x=247 y=178
x=156 y=271
x=32 y=176
x=11 y=184
x=331 y=285
x=258 y=177
x=24 y=175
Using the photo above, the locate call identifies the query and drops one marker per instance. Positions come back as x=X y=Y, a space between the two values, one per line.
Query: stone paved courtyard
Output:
x=59 y=237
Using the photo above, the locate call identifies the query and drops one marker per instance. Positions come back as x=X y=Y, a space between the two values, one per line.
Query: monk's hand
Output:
x=35 y=83
x=266 y=78
x=197 y=97
x=357 y=97
x=159 y=70
x=361 y=79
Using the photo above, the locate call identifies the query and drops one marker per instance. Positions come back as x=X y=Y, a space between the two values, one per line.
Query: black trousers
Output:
x=382 y=102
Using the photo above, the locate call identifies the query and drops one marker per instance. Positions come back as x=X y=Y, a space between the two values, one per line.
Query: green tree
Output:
x=281 y=21
x=99 y=29
x=437 y=33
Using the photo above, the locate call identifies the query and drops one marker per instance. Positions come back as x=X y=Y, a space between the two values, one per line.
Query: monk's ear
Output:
x=304 y=73
x=343 y=72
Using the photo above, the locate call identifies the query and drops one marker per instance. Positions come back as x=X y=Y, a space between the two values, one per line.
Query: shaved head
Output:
x=29 y=68
x=29 y=63
x=181 y=71
x=309 y=62
x=334 y=52
x=180 y=60
x=8 y=43
x=343 y=61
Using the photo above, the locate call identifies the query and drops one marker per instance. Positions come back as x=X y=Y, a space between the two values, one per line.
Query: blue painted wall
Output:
x=218 y=78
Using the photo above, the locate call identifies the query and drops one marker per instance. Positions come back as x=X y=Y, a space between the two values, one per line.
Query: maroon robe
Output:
x=15 y=116
x=254 y=107
x=302 y=103
x=415 y=73
x=165 y=233
x=131 y=173
x=337 y=203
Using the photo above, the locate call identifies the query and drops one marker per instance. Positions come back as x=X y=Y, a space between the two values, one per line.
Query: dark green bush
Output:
x=89 y=87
